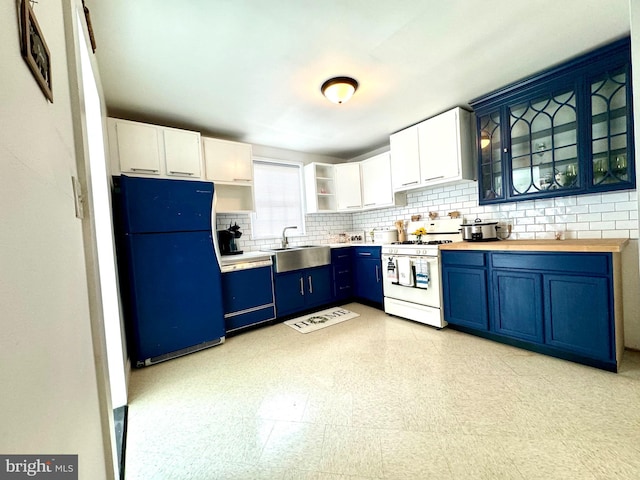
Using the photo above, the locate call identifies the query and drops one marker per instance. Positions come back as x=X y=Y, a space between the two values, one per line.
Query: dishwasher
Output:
x=247 y=293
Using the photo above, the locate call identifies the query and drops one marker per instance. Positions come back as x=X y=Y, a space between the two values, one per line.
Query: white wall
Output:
x=49 y=399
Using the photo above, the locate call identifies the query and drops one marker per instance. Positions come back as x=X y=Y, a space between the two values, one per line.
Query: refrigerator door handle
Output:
x=214 y=236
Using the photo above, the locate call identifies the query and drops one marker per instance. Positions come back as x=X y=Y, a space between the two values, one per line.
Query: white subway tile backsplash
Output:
x=589 y=199
x=554 y=210
x=626 y=224
x=615 y=197
x=615 y=234
x=624 y=215
x=564 y=201
x=544 y=203
x=577 y=209
x=590 y=234
x=590 y=217
x=578 y=226
x=601 y=207
x=608 y=215
x=602 y=225
x=566 y=218
x=627 y=206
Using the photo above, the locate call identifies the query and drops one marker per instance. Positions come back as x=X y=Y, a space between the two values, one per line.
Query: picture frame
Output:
x=35 y=51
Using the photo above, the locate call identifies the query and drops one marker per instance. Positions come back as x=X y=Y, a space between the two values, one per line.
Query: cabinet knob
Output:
x=505 y=149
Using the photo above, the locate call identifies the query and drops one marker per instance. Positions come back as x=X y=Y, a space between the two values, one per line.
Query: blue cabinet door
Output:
x=465 y=296
x=290 y=292
x=318 y=286
x=578 y=315
x=517 y=305
x=302 y=289
x=368 y=284
x=244 y=289
x=367 y=268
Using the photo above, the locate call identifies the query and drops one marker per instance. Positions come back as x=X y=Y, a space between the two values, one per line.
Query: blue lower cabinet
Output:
x=517 y=303
x=247 y=297
x=367 y=265
x=302 y=289
x=342 y=273
x=578 y=315
x=560 y=304
x=465 y=296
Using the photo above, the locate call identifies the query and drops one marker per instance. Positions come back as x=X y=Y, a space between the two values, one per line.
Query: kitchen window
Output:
x=279 y=199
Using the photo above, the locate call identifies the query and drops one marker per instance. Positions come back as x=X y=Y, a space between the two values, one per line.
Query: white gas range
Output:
x=411 y=272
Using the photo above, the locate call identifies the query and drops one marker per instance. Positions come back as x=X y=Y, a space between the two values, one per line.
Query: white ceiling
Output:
x=251 y=70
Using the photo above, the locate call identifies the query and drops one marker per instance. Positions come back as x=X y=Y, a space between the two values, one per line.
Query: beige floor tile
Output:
x=379 y=397
x=294 y=445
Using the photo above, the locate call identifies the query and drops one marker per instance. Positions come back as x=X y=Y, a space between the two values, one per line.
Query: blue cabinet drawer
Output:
x=341 y=254
x=594 y=263
x=233 y=322
x=367 y=252
x=466 y=259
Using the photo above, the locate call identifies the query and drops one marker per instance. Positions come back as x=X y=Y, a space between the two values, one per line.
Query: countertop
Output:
x=244 y=257
x=614 y=245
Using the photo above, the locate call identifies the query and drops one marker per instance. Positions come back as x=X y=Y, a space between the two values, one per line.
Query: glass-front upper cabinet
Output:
x=567 y=131
x=544 y=144
x=490 y=156
x=610 y=128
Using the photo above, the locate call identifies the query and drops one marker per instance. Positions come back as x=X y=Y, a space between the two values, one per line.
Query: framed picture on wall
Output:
x=35 y=51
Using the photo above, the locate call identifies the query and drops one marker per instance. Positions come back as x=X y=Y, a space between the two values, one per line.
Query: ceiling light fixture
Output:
x=339 y=89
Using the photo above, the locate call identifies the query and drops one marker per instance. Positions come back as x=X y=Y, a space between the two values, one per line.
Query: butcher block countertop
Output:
x=614 y=245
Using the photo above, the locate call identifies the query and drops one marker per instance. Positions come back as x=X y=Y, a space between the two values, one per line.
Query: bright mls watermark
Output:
x=49 y=467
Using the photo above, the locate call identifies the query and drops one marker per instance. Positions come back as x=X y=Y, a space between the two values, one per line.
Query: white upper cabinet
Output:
x=320 y=188
x=230 y=166
x=405 y=159
x=144 y=149
x=445 y=147
x=137 y=147
x=347 y=178
x=227 y=161
x=376 y=181
x=182 y=153
x=437 y=150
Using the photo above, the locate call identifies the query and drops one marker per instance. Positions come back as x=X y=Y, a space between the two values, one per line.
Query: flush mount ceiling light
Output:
x=339 y=89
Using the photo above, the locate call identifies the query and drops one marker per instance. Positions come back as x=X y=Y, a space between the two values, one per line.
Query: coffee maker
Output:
x=227 y=240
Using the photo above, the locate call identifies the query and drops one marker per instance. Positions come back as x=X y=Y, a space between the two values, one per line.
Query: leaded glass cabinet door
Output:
x=544 y=145
x=610 y=149
x=491 y=165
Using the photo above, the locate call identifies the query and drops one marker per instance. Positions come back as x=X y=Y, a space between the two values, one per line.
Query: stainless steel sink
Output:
x=305 y=256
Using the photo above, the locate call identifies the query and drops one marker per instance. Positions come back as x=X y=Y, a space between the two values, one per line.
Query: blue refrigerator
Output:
x=170 y=273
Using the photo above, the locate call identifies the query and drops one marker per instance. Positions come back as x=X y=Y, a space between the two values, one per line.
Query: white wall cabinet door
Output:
x=138 y=149
x=405 y=159
x=227 y=161
x=376 y=181
x=182 y=153
x=439 y=141
x=347 y=181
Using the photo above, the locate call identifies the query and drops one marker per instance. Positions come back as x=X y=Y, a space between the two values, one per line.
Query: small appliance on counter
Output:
x=480 y=231
x=385 y=235
x=227 y=240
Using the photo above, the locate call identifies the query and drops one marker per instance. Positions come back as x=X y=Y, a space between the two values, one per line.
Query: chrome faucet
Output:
x=285 y=241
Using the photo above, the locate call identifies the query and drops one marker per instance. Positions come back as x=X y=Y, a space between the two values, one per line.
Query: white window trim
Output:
x=301 y=230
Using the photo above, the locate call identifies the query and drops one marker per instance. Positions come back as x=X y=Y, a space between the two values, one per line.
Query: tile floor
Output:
x=380 y=397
